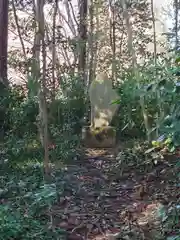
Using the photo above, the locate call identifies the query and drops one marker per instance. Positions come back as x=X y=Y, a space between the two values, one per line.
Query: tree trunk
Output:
x=112 y=24
x=3 y=67
x=91 y=43
x=176 y=23
x=19 y=31
x=41 y=77
x=3 y=40
x=53 y=94
x=82 y=38
x=134 y=65
x=154 y=32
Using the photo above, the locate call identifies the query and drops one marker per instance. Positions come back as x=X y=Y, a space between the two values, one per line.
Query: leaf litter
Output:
x=105 y=197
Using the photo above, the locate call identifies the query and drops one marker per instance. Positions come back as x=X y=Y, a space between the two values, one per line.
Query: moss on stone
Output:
x=100 y=136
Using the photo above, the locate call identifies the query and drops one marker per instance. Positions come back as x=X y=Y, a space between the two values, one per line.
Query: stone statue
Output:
x=102 y=95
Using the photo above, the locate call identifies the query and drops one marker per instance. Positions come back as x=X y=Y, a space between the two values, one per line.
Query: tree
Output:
x=40 y=77
x=3 y=40
x=82 y=37
x=3 y=65
x=176 y=12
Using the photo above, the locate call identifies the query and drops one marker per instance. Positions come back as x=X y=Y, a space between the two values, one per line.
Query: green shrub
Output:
x=147 y=98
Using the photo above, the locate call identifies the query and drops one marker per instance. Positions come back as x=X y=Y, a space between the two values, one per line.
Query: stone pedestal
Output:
x=104 y=137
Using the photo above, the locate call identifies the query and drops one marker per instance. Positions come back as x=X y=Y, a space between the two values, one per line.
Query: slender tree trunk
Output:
x=134 y=65
x=176 y=22
x=3 y=67
x=82 y=38
x=18 y=29
x=129 y=34
x=96 y=47
x=91 y=43
x=4 y=4
x=154 y=31
x=41 y=77
x=160 y=113
x=70 y=19
x=54 y=50
x=112 y=38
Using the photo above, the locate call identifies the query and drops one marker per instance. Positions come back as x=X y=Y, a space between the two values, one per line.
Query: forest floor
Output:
x=119 y=196
x=127 y=193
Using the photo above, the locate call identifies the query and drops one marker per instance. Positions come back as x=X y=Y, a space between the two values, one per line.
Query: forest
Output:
x=89 y=119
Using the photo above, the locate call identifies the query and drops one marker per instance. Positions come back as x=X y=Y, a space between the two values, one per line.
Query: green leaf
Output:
x=150 y=150
x=178 y=164
x=149 y=87
x=173 y=238
x=172 y=149
x=162 y=213
x=33 y=87
x=168 y=120
x=162 y=83
x=116 y=101
x=177 y=60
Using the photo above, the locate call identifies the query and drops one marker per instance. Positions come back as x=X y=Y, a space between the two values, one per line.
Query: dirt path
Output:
x=99 y=202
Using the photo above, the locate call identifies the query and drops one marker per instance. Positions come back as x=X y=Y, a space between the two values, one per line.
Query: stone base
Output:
x=104 y=137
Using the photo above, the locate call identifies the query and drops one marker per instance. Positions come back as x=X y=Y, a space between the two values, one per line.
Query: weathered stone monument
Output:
x=100 y=133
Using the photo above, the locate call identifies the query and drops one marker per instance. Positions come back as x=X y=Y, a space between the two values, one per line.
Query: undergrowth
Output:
x=26 y=199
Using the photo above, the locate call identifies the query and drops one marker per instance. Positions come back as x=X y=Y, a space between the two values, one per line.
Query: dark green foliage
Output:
x=21 y=112
x=129 y=117
x=20 y=122
x=23 y=191
x=4 y=94
x=160 y=91
x=24 y=200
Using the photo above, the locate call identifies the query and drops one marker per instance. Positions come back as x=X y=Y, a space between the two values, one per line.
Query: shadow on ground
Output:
x=100 y=201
